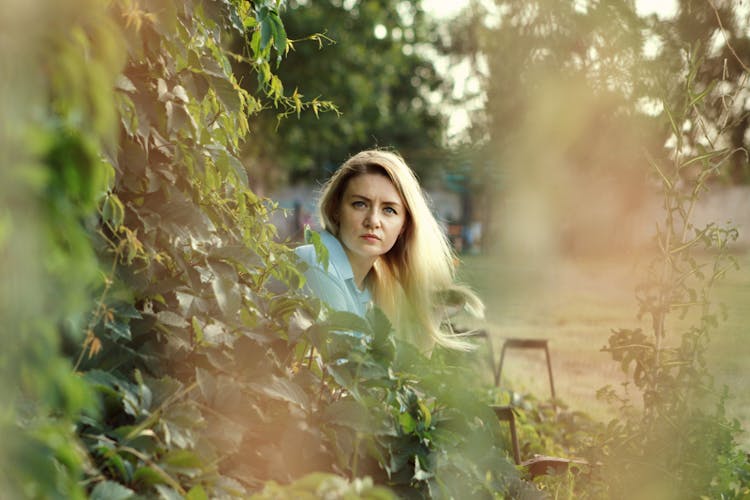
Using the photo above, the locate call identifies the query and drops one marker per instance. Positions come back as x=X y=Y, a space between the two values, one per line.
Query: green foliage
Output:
x=58 y=112
x=720 y=28
x=191 y=365
x=679 y=443
x=574 y=78
x=563 y=119
x=382 y=87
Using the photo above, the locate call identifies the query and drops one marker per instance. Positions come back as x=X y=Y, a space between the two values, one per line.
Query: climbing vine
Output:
x=170 y=351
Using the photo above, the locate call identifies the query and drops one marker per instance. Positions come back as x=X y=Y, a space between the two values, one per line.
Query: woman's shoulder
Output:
x=327 y=274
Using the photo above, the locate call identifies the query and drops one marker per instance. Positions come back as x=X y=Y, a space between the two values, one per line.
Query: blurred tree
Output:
x=606 y=68
x=376 y=72
x=720 y=28
x=554 y=49
x=563 y=103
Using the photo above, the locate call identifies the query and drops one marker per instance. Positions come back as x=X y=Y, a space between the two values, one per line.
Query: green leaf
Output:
x=227 y=295
x=408 y=424
x=167 y=493
x=279 y=33
x=344 y=321
x=113 y=211
x=182 y=459
x=266 y=28
x=147 y=476
x=123 y=467
x=255 y=42
x=369 y=416
x=197 y=330
x=675 y=128
x=119 y=329
x=235 y=20
x=700 y=96
x=196 y=493
x=170 y=318
x=321 y=251
x=109 y=490
x=179 y=119
x=282 y=389
x=206 y=383
x=704 y=156
x=226 y=92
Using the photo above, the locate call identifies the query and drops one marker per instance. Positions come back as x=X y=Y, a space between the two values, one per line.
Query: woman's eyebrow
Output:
x=355 y=195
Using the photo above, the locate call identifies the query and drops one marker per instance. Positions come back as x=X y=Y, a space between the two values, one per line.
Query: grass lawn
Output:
x=575 y=303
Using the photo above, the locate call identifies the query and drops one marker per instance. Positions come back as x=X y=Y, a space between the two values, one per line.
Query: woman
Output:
x=385 y=246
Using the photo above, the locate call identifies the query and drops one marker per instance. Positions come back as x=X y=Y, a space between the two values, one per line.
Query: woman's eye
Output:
x=390 y=210
x=359 y=204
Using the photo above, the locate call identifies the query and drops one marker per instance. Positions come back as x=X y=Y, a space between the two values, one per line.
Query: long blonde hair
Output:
x=412 y=281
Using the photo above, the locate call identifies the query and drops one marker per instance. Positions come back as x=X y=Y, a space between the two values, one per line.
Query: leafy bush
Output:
x=191 y=365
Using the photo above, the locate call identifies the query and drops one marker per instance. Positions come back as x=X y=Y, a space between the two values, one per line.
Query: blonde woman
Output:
x=385 y=247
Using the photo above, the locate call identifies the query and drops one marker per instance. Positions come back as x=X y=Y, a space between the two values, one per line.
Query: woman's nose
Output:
x=372 y=219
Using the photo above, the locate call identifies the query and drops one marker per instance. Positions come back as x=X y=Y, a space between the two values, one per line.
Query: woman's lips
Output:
x=370 y=237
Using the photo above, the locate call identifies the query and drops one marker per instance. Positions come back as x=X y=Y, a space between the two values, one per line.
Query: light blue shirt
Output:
x=334 y=285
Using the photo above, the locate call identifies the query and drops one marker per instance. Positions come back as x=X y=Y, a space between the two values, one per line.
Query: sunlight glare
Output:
x=663 y=9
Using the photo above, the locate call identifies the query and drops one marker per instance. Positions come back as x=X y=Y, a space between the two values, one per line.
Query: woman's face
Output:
x=371 y=217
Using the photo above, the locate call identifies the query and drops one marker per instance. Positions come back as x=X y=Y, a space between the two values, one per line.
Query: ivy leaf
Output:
x=226 y=92
x=224 y=285
x=180 y=119
x=237 y=254
x=227 y=295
